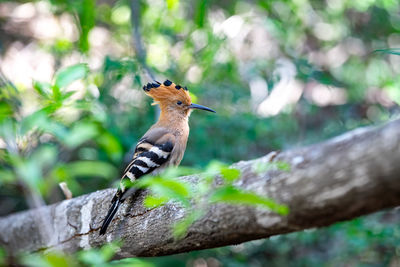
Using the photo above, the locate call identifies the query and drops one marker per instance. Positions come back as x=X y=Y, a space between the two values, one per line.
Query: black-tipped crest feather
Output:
x=167 y=82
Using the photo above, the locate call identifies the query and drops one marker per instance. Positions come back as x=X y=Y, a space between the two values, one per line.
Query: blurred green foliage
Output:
x=101 y=257
x=80 y=127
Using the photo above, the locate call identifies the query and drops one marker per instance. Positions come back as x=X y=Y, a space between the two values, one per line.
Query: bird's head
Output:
x=172 y=97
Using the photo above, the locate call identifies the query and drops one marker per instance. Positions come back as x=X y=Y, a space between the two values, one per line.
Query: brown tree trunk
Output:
x=345 y=177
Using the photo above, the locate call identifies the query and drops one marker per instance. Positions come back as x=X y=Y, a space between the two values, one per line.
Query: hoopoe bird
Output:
x=163 y=144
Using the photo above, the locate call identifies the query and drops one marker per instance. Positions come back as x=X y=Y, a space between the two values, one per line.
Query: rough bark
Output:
x=345 y=177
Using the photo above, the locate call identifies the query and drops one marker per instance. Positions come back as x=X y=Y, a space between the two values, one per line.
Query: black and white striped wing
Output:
x=148 y=157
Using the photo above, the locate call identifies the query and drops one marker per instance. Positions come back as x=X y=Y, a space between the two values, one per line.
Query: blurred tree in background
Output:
x=279 y=73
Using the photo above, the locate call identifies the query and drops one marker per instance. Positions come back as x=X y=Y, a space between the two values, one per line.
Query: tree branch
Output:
x=137 y=38
x=348 y=176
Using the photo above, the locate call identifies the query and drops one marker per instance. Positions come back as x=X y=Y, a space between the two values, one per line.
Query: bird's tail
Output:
x=110 y=215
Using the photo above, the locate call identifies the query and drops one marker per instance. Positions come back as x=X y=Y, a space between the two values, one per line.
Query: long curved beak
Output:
x=196 y=106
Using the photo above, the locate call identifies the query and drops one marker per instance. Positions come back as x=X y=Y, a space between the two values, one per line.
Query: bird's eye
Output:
x=179 y=103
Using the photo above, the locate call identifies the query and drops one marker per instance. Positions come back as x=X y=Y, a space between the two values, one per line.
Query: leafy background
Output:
x=280 y=74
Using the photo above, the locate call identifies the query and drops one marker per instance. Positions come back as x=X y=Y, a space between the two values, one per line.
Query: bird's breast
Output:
x=179 y=149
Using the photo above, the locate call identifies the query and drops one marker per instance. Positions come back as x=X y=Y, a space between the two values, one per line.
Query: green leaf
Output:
x=167 y=188
x=67 y=95
x=99 y=257
x=127 y=183
x=261 y=167
x=34 y=260
x=393 y=51
x=3 y=256
x=90 y=169
x=42 y=88
x=181 y=227
x=51 y=107
x=36 y=120
x=172 y=4
x=8 y=132
x=91 y=257
x=283 y=166
x=109 y=250
x=154 y=202
x=213 y=168
x=6 y=176
x=57 y=259
x=62 y=46
x=70 y=74
x=5 y=111
x=80 y=133
x=56 y=94
x=111 y=145
x=232 y=195
x=230 y=174
x=87 y=15
x=201 y=12
x=172 y=172
x=132 y=262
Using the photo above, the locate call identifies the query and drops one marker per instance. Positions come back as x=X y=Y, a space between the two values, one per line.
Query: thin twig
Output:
x=138 y=44
x=137 y=38
x=65 y=190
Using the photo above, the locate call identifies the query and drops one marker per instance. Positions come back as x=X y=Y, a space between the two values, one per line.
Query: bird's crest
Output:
x=167 y=91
